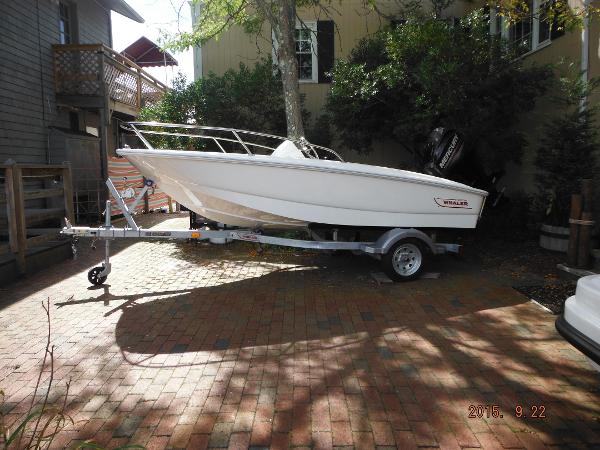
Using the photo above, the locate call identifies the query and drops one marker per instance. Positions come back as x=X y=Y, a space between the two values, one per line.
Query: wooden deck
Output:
x=96 y=76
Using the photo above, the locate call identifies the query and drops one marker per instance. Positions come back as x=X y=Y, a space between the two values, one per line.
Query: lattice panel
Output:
x=150 y=92
x=121 y=85
x=78 y=72
x=79 y=69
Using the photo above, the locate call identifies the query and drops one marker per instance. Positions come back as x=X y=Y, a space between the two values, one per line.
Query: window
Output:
x=520 y=34
x=64 y=24
x=544 y=24
x=314 y=51
x=531 y=32
x=306 y=52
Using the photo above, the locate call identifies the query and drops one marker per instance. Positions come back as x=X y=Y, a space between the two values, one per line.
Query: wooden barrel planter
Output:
x=554 y=238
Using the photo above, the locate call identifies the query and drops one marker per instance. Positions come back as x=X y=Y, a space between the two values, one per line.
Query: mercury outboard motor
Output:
x=446 y=148
x=449 y=157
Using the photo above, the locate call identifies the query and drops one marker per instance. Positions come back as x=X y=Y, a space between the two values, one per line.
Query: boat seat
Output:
x=287 y=149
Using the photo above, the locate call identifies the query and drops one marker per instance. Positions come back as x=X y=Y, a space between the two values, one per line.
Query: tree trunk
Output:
x=283 y=22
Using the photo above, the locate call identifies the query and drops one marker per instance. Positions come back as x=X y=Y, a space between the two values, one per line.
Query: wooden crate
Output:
x=18 y=219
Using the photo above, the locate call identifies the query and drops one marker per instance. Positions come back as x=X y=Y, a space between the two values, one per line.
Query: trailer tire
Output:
x=94 y=278
x=405 y=260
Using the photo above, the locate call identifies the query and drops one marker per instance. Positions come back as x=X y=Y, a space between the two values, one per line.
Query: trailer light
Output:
x=195 y=235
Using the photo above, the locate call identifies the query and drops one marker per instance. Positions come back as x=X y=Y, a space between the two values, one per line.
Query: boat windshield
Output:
x=227 y=140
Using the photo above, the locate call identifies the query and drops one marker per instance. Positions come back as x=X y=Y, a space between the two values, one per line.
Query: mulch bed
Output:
x=530 y=269
x=552 y=296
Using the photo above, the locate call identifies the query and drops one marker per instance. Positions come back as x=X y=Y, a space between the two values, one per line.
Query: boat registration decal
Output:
x=452 y=203
x=157 y=233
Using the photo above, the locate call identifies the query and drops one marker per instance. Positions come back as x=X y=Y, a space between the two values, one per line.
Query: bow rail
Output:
x=241 y=138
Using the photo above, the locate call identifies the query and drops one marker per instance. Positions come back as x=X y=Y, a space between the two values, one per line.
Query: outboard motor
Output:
x=446 y=148
x=449 y=157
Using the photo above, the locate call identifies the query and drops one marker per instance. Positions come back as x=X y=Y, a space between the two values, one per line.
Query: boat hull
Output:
x=268 y=192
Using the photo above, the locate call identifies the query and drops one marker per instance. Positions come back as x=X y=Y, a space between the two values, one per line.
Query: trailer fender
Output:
x=390 y=237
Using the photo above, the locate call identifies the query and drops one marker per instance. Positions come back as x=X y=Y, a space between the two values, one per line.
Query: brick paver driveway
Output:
x=195 y=346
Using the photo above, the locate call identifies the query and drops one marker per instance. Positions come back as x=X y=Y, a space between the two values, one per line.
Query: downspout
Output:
x=585 y=48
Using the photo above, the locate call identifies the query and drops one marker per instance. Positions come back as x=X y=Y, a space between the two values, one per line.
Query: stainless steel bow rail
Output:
x=220 y=136
x=386 y=243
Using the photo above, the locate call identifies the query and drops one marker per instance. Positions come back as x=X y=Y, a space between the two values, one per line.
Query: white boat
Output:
x=295 y=184
x=580 y=322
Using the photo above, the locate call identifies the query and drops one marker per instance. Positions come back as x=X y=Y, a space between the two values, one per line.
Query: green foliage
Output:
x=567 y=153
x=511 y=219
x=559 y=13
x=249 y=98
x=217 y=16
x=425 y=73
x=321 y=132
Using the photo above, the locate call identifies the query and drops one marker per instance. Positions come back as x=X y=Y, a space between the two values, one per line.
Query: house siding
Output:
x=353 y=22
x=562 y=52
x=27 y=99
x=94 y=23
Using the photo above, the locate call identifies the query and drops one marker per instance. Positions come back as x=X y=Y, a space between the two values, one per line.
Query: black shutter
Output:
x=555 y=32
x=325 y=49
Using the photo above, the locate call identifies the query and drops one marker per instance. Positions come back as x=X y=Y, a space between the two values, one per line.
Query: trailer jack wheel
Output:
x=94 y=276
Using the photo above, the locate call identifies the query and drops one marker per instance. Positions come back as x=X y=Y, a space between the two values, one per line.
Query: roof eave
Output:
x=121 y=7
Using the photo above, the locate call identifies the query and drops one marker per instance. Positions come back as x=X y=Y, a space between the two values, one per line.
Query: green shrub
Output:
x=511 y=219
x=567 y=153
x=321 y=133
x=405 y=81
x=248 y=98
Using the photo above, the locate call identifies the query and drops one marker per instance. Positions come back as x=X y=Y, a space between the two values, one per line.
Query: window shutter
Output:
x=555 y=33
x=325 y=49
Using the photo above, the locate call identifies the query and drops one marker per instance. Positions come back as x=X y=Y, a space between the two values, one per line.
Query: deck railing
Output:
x=97 y=70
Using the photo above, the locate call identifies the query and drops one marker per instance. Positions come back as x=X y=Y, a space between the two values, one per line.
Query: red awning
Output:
x=146 y=53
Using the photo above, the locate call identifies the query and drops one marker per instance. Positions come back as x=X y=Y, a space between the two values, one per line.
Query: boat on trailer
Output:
x=295 y=184
x=250 y=183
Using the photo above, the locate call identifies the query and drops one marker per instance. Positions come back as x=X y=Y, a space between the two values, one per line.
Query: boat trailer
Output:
x=401 y=250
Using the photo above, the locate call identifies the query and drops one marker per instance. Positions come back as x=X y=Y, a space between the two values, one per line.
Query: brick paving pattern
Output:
x=195 y=346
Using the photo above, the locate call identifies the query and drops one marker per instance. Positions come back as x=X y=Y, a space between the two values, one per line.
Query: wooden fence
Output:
x=20 y=186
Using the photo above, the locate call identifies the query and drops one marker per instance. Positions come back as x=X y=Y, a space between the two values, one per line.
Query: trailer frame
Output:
x=380 y=248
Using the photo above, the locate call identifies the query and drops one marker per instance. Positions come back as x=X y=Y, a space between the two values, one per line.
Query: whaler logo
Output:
x=452 y=203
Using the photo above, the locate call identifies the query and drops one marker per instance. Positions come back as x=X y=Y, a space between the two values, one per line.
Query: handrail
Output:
x=95 y=69
x=305 y=146
x=200 y=136
x=113 y=54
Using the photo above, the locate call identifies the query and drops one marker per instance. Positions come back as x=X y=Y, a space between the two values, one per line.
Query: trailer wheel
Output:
x=404 y=261
x=94 y=276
